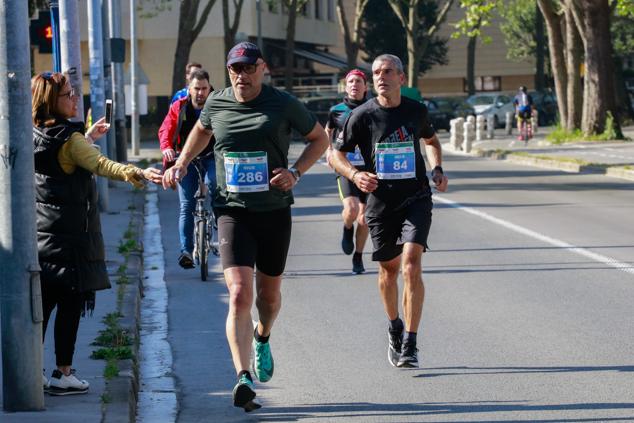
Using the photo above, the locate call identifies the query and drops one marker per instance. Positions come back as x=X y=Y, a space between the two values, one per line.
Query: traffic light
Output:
x=41 y=32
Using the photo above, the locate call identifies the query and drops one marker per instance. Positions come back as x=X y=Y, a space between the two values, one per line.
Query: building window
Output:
x=303 y=10
x=331 y=10
x=318 y=11
x=485 y=83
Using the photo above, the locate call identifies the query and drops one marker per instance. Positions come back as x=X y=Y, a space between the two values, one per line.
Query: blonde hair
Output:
x=45 y=89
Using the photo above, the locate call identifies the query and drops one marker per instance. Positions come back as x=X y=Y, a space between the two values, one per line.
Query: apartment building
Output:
x=157 y=32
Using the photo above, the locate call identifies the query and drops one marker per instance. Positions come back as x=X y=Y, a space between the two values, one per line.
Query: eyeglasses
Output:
x=237 y=69
x=69 y=94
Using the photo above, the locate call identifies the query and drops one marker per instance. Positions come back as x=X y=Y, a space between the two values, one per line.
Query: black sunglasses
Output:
x=237 y=69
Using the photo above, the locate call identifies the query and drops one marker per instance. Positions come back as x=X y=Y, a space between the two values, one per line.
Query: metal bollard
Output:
x=509 y=123
x=490 y=126
x=480 y=128
x=535 y=121
x=456 y=133
x=469 y=133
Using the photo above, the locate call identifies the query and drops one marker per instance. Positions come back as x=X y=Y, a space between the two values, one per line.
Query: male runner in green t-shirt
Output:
x=252 y=123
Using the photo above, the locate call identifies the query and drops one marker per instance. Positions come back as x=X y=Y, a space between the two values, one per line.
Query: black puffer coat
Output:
x=69 y=239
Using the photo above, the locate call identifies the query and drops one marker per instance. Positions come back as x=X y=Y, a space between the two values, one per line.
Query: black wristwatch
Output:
x=295 y=173
x=437 y=169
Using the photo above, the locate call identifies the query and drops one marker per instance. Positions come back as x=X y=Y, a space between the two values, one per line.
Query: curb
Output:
x=123 y=389
x=563 y=163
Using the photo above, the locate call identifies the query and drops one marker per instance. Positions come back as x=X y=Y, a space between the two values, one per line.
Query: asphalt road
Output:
x=528 y=312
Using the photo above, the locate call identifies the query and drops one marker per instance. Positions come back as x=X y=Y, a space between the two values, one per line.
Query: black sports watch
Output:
x=295 y=173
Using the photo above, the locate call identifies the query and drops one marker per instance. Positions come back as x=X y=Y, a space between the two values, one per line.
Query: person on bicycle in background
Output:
x=523 y=103
x=252 y=123
x=178 y=123
x=189 y=69
x=353 y=198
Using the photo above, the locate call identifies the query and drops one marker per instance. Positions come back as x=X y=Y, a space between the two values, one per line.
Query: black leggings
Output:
x=69 y=305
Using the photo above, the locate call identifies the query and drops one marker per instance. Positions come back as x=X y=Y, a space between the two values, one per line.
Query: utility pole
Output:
x=117 y=54
x=97 y=100
x=20 y=294
x=70 y=48
x=134 y=111
x=57 y=60
x=107 y=76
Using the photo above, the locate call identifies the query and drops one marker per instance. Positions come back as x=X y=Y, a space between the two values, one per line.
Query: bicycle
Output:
x=204 y=225
x=526 y=128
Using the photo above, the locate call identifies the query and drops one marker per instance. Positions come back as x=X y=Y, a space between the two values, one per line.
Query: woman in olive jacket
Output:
x=70 y=243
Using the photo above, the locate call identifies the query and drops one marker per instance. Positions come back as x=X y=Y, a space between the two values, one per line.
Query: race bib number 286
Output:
x=247 y=171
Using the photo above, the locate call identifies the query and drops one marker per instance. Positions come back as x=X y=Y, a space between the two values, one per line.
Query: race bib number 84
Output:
x=395 y=160
x=247 y=172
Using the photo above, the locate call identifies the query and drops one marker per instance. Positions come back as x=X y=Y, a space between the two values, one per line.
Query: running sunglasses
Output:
x=238 y=68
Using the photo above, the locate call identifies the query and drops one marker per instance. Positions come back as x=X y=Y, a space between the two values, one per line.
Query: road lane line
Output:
x=625 y=267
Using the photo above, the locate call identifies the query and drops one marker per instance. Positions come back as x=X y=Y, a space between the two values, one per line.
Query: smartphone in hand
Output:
x=108 y=111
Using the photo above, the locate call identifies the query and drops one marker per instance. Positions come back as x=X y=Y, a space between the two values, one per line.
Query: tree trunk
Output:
x=290 y=46
x=229 y=38
x=599 y=97
x=188 y=31
x=471 y=48
x=230 y=28
x=622 y=97
x=557 y=61
x=574 y=53
x=183 y=44
x=540 y=51
x=351 y=36
x=412 y=49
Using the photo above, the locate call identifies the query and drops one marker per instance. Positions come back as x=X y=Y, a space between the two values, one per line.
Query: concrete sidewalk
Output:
x=110 y=399
x=613 y=158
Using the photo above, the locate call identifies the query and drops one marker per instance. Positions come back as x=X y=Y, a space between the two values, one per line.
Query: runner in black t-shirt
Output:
x=353 y=198
x=388 y=131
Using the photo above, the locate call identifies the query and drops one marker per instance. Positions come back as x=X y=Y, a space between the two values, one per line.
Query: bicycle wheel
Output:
x=201 y=244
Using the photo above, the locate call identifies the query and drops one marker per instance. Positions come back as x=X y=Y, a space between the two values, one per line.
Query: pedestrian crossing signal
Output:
x=41 y=32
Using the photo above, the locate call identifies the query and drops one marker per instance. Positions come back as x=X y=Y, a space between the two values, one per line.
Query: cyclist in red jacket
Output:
x=180 y=120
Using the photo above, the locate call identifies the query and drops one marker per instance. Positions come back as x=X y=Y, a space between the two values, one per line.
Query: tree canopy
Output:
x=381 y=20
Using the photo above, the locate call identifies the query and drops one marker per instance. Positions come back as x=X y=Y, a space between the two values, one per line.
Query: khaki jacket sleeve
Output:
x=77 y=152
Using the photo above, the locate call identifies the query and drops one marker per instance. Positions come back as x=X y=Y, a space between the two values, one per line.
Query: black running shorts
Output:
x=391 y=231
x=250 y=238
x=347 y=188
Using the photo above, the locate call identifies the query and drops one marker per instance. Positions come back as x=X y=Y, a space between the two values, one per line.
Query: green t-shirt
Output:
x=259 y=129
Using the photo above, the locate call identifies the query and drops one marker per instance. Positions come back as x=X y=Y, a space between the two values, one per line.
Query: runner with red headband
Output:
x=352 y=198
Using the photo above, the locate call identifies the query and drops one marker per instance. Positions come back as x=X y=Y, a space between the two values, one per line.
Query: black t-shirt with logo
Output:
x=370 y=124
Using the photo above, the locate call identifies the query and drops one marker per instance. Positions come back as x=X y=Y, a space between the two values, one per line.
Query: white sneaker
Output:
x=60 y=384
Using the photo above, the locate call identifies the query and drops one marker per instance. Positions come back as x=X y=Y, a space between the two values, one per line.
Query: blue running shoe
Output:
x=244 y=393
x=263 y=362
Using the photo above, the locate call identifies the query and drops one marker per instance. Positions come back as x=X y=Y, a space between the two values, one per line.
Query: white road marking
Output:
x=609 y=261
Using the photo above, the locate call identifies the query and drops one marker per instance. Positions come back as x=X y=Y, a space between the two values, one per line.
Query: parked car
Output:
x=320 y=106
x=497 y=104
x=438 y=118
x=454 y=107
x=546 y=105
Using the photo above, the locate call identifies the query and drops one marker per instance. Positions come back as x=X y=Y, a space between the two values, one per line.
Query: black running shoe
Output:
x=357 y=263
x=244 y=393
x=409 y=356
x=395 y=342
x=347 y=242
x=185 y=260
